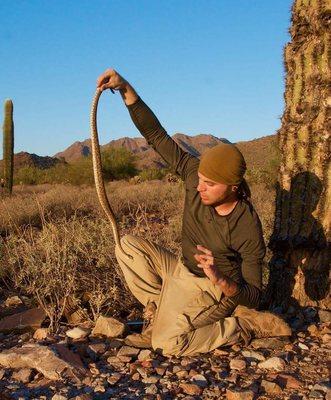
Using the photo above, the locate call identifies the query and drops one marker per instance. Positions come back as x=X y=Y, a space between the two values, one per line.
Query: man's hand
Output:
x=111 y=79
x=206 y=262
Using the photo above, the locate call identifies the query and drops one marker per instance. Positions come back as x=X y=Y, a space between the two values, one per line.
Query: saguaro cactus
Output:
x=8 y=146
x=299 y=268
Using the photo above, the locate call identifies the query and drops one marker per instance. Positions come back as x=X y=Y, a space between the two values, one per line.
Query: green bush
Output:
x=118 y=163
x=151 y=174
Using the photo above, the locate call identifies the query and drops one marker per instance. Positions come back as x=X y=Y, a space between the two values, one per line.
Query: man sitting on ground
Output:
x=205 y=299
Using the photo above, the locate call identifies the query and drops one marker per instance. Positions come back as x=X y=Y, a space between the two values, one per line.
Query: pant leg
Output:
x=193 y=316
x=146 y=270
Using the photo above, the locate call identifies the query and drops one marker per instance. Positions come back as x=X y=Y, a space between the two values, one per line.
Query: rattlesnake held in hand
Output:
x=97 y=170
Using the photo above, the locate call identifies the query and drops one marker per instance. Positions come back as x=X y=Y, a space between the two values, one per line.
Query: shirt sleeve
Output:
x=251 y=249
x=181 y=162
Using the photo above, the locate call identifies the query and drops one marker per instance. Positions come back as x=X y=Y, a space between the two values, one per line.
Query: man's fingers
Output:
x=204 y=250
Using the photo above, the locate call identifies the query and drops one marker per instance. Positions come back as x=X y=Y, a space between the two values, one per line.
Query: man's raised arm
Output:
x=149 y=126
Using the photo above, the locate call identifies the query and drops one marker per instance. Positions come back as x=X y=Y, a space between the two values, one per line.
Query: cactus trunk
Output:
x=8 y=146
x=299 y=269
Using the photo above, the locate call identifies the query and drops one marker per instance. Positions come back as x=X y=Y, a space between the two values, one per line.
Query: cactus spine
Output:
x=8 y=146
x=300 y=266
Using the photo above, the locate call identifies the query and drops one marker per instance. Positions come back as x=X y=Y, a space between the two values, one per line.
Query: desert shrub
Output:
x=118 y=163
x=151 y=174
x=71 y=258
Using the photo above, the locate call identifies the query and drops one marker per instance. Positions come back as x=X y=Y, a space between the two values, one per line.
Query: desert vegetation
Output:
x=57 y=246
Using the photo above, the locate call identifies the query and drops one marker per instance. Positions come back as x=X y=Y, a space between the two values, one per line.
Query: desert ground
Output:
x=64 y=306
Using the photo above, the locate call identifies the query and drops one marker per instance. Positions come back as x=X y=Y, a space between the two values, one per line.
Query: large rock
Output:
x=44 y=360
x=109 y=327
x=30 y=319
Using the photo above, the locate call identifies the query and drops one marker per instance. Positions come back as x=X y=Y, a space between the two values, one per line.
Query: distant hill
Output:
x=24 y=159
x=256 y=152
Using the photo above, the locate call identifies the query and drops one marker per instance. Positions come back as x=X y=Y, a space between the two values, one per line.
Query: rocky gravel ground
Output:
x=78 y=364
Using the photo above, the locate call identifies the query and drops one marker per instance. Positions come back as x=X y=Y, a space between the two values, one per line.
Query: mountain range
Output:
x=257 y=152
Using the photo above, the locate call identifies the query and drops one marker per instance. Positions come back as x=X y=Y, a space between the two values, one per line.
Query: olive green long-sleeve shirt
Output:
x=236 y=240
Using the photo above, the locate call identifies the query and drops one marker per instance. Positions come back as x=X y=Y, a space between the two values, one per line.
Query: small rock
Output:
x=275 y=363
x=144 y=355
x=322 y=387
x=253 y=355
x=115 y=344
x=191 y=389
x=114 y=378
x=313 y=330
x=182 y=374
x=59 y=397
x=288 y=381
x=152 y=389
x=23 y=375
x=109 y=327
x=13 y=301
x=302 y=346
x=271 y=387
x=40 y=334
x=269 y=343
x=315 y=394
x=324 y=315
x=237 y=394
x=220 y=352
x=151 y=379
x=135 y=376
x=2 y=373
x=78 y=333
x=128 y=351
x=95 y=349
x=238 y=364
x=326 y=338
x=200 y=380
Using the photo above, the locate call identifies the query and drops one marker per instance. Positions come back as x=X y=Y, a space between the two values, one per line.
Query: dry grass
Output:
x=57 y=244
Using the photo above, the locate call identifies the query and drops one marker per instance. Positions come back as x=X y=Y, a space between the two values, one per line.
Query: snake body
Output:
x=97 y=170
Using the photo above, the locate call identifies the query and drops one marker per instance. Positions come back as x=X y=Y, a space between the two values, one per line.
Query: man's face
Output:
x=213 y=193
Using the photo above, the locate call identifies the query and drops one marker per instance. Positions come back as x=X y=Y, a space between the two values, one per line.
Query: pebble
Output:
x=59 y=397
x=270 y=387
x=275 y=363
x=144 y=355
x=152 y=389
x=303 y=346
x=237 y=364
x=23 y=375
x=200 y=380
x=78 y=333
x=191 y=389
x=128 y=351
x=237 y=394
x=250 y=354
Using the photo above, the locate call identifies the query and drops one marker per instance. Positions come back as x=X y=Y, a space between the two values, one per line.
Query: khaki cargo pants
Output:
x=192 y=316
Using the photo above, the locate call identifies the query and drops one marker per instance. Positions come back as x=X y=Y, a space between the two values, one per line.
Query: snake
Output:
x=97 y=171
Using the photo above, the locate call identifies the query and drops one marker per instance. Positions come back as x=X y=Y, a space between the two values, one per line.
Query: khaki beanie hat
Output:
x=223 y=163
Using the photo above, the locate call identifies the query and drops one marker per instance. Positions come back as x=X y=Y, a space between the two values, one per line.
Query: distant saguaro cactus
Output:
x=8 y=146
x=299 y=270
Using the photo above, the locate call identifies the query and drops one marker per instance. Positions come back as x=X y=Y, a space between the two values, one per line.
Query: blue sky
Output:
x=203 y=66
